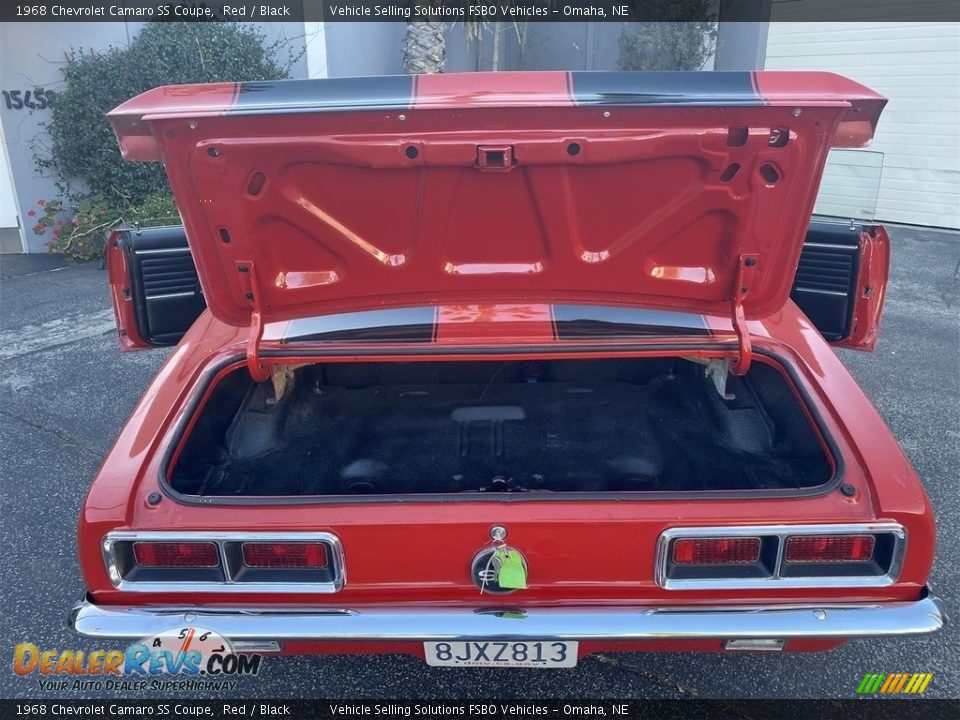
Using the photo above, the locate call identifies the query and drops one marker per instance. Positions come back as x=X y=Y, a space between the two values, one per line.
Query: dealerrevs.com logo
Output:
x=199 y=659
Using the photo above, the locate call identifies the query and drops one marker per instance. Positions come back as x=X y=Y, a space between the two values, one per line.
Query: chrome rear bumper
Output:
x=572 y=623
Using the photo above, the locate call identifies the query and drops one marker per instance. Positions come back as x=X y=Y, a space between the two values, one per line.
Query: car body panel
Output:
x=642 y=189
x=840 y=284
x=154 y=286
x=346 y=282
x=555 y=535
x=841 y=281
x=871 y=290
x=119 y=277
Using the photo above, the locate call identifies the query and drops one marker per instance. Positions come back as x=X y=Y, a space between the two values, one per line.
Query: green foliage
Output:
x=82 y=145
x=155 y=210
x=662 y=44
x=78 y=230
x=93 y=179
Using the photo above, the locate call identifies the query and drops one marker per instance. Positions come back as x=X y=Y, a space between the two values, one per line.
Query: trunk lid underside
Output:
x=673 y=190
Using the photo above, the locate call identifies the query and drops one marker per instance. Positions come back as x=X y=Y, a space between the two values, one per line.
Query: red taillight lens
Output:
x=829 y=548
x=176 y=554
x=716 y=551
x=285 y=555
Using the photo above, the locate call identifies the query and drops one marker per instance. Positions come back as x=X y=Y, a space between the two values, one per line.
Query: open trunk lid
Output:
x=677 y=190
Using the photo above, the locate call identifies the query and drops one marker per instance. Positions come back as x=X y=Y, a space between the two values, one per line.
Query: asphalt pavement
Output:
x=65 y=392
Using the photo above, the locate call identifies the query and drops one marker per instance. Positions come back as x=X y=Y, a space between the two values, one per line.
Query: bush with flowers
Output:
x=79 y=231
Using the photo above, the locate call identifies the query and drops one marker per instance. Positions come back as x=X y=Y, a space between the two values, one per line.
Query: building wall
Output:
x=572 y=46
x=30 y=56
x=911 y=172
x=10 y=238
x=367 y=48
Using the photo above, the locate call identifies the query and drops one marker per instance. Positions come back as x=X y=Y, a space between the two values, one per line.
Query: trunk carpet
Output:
x=667 y=433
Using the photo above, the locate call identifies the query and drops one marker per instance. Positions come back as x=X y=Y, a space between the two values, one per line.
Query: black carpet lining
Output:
x=494 y=427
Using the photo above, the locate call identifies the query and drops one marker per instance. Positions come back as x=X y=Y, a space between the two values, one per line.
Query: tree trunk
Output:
x=424 y=48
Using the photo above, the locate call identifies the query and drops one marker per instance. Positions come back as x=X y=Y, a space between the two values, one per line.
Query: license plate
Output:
x=499 y=653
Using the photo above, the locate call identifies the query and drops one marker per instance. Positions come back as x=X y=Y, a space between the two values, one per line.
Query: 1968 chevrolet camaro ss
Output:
x=504 y=369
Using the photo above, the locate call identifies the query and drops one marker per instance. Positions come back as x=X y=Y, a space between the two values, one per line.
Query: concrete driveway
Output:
x=65 y=391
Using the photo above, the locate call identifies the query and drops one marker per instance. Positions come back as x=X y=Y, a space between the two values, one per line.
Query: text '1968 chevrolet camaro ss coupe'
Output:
x=504 y=369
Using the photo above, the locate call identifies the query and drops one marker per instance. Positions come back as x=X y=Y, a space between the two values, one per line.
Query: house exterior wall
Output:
x=911 y=172
x=30 y=57
x=10 y=238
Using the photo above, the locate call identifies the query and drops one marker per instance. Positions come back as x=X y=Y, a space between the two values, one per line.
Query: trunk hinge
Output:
x=746 y=267
x=717 y=370
x=251 y=290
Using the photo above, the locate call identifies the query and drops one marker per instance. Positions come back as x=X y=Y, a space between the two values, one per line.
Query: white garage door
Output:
x=911 y=172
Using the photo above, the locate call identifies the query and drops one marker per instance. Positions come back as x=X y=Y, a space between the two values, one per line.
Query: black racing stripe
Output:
x=583 y=322
x=390 y=92
x=415 y=325
x=664 y=88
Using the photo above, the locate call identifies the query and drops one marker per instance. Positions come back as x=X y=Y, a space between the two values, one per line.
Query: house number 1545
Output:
x=33 y=99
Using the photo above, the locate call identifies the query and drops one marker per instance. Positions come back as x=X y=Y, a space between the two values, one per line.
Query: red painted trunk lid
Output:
x=312 y=197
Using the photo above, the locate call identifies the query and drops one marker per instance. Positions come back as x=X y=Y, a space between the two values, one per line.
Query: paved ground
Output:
x=65 y=392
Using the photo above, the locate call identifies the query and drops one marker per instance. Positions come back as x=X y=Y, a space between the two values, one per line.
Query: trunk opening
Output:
x=484 y=428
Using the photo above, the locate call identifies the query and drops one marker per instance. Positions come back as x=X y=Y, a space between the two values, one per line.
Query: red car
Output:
x=504 y=369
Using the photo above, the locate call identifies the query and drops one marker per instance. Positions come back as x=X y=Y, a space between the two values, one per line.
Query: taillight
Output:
x=176 y=554
x=829 y=548
x=224 y=562
x=284 y=555
x=783 y=556
x=716 y=551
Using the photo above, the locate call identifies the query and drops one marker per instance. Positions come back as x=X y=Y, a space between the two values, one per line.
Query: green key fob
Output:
x=511 y=573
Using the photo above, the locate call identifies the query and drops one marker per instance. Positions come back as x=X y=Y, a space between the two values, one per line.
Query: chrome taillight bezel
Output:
x=771 y=572
x=229 y=575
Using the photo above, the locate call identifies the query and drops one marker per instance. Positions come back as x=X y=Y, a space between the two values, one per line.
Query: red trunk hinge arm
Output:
x=251 y=288
x=746 y=265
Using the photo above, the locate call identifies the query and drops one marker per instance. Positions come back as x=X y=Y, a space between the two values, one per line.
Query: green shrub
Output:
x=78 y=229
x=83 y=152
x=661 y=44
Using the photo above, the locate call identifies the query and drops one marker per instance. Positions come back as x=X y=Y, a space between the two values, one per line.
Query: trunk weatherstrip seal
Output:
x=832 y=449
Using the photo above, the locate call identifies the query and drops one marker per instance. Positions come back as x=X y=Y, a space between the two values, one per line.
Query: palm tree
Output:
x=424 y=44
x=424 y=48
